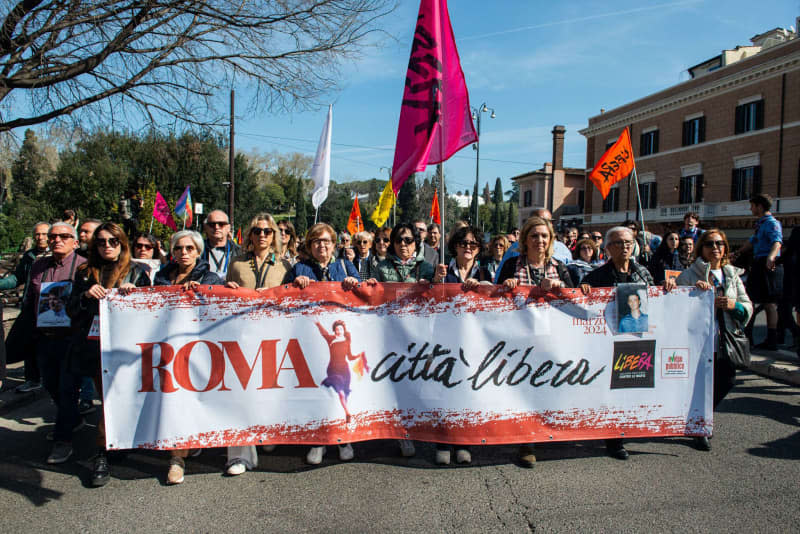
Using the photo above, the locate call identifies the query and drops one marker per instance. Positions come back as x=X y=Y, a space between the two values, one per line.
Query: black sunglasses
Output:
x=217 y=223
x=112 y=242
x=263 y=231
x=404 y=240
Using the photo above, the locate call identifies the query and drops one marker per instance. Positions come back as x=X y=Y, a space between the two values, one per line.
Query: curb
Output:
x=775 y=369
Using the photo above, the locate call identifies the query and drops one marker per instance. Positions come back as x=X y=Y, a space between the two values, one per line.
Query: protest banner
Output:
x=221 y=367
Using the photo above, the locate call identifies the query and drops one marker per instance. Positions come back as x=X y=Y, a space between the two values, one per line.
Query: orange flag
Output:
x=614 y=165
x=239 y=235
x=355 y=223
x=436 y=216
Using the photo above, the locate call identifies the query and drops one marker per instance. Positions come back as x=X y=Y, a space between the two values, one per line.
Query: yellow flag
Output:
x=381 y=213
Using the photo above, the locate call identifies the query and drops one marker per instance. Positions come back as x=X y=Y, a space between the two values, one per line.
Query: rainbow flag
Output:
x=184 y=206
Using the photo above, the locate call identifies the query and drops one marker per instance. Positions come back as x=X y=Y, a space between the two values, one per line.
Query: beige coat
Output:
x=241 y=272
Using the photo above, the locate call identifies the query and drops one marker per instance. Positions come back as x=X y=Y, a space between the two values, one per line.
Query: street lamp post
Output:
x=476 y=116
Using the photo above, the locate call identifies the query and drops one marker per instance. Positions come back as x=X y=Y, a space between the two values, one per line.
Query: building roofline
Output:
x=697 y=88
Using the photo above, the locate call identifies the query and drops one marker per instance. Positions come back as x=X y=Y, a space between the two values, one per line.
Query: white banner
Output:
x=409 y=361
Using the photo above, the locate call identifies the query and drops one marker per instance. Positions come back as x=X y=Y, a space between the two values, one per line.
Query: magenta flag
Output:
x=435 y=120
x=162 y=213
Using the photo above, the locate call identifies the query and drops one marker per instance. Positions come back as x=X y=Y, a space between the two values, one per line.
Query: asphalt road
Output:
x=750 y=481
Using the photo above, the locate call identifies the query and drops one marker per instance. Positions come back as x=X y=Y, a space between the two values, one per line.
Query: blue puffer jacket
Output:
x=338 y=270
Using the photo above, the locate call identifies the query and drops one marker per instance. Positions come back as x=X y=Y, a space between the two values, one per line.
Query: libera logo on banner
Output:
x=633 y=364
x=675 y=363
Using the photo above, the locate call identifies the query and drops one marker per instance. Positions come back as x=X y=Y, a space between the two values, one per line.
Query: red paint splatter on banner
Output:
x=463 y=427
x=213 y=302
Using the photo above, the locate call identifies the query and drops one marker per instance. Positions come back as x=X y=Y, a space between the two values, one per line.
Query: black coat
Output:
x=201 y=273
x=606 y=276
x=84 y=354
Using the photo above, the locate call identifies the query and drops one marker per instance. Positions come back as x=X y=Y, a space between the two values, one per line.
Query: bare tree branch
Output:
x=170 y=59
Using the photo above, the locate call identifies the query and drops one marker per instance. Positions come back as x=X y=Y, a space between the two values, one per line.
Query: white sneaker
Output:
x=268 y=448
x=315 y=454
x=463 y=456
x=406 y=447
x=346 y=452
x=236 y=468
x=443 y=457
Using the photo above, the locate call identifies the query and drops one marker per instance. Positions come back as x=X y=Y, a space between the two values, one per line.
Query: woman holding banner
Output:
x=535 y=266
x=322 y=266
x=464 y=246
x=405 y=262
x=190 y=270
x=711 y=270
x=261 y=267
x=109 y=266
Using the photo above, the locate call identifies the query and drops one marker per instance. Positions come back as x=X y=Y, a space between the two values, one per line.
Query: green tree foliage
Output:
x=511 y=221
x=497 y=212
x=407 y=202
x=300 y=203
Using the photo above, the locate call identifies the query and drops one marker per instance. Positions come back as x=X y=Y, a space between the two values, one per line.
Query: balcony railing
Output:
x=782 y=206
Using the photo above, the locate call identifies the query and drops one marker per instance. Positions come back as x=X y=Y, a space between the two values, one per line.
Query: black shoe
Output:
x=701 y=443
x=85 y=407
x=101 y=474
x=617 y=450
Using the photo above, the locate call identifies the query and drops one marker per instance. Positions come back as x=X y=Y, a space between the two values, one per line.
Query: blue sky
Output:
x=537 y=63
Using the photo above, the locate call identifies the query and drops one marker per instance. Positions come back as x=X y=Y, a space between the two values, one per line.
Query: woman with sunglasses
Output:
x=189 y=270
x=584 y=260
x=145 y=247
x=497 y=249
x=108 y=266
x=261 y=267
x=535 y=266
x=380 y=246
x=147 y=253
x=405 y=261
x=323 y=266
x=732 y=306
x=288 y=241
x=464 y=247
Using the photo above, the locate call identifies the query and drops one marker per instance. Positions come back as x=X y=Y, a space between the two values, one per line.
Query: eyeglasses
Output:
x=220 y=224
x=383 y=240
x=62 y=237
x=420 y=229
x=404 y=240
x=284 y=230
x=112 y=242
x=621 y=243
x=714 y=244
x=363 y=242
x=597 y=237
x=266 y=232
x=321 y=241
x=146 y=246
x=181 y=248
x=468 y=244
x=588 y=249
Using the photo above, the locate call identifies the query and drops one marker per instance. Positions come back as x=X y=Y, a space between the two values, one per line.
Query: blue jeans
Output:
x=58 y=380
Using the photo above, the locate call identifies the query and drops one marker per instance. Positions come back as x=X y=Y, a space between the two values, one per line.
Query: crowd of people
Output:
x=97 y=256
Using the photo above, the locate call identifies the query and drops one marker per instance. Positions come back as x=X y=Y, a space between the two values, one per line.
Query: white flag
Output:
x=321 y=171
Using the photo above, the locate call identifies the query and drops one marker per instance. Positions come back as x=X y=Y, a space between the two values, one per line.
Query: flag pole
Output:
x=316 y=215
x=638 y=199
x=151 y=223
